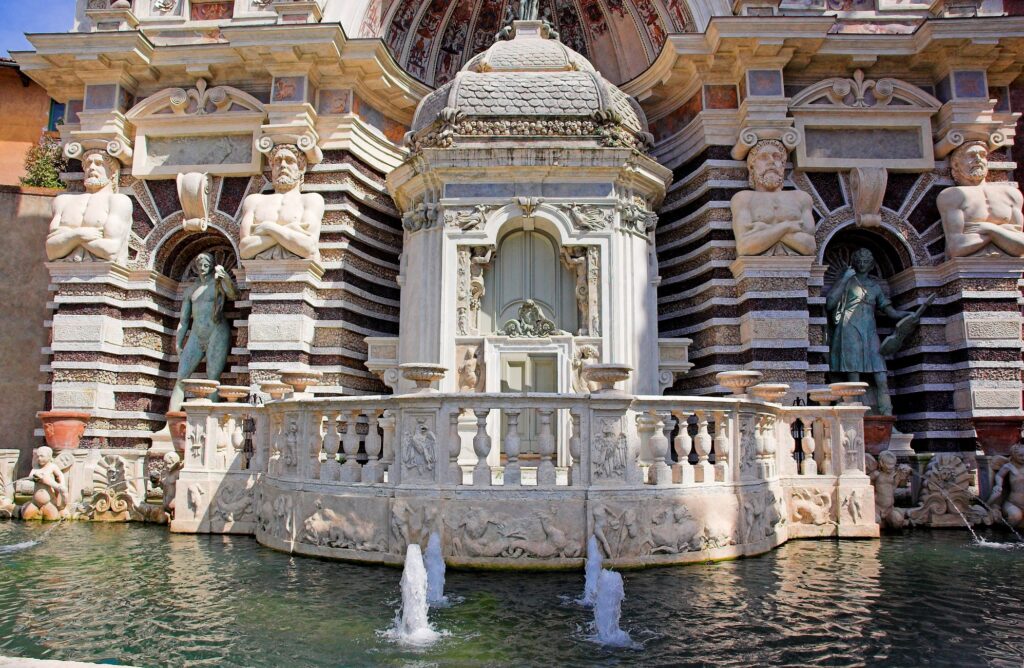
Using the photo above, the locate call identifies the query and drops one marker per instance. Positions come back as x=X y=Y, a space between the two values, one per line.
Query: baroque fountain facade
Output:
x=524 y=305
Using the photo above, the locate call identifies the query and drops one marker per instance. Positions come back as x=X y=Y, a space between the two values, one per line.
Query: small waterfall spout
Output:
x=608 y=609
x=413 y=627
x=593 y=571
x=434 y=562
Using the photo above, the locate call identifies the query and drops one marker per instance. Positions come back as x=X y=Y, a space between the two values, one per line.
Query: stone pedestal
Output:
x=105 y=313
x=281 y=331
x=774 y=318
x=986 y=333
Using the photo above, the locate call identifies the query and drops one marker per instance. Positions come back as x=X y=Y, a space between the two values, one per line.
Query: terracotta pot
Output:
x=996 y=434
x=63 y=429
x=176 y=424
x=877 y=430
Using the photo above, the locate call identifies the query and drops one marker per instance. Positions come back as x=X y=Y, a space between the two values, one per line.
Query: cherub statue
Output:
x=887 y=476
x=50 y=496
x=1007 y=498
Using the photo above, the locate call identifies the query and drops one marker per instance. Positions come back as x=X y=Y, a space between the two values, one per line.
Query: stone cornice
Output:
x=806 y=48
x=64 y=63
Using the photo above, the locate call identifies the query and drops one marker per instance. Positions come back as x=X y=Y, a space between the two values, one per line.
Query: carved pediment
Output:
x=882 y=95
x=201 y=129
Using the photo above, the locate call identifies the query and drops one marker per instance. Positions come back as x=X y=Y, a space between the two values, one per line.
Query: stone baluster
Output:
x=351 y=471
x=513 y=470
x=482 y=448
x=454 y=448
x=703 y=471
x=331 y=469
x=373 y=470
x=314 y=448
x=387 y=424
x=645 y=429
x=809 y=466
x=683 y=444
x=770 y=446
x=722 y=471
x=546 y=474
x=667 y=425
x=826 y=447
x=576 y=466
x=659 y=473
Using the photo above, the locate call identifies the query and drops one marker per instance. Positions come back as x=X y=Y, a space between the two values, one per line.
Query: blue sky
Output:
x=20 y=16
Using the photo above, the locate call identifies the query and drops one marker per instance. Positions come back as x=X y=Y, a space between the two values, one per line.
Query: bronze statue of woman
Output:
x=854 y=348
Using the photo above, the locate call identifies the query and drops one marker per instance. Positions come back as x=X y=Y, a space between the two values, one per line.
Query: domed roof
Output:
x=530 y=78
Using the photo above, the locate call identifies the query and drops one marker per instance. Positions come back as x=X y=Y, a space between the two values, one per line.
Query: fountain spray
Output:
x=434 y=562
x=413 y=627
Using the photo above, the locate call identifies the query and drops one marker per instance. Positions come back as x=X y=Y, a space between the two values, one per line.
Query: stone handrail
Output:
x=606 y=439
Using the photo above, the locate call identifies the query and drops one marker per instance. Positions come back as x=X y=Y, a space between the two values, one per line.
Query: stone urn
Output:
x=300 y=380
x=738 y=381
x=233 y=393
x=606 y=376
x=821 y=396
x=200 y=388
x=769 y=392
x=997 y=433
x=848 y=392
x=423 y=374
x=276 y=389
x=877 y=432
x=177 y=424
x=63 y=429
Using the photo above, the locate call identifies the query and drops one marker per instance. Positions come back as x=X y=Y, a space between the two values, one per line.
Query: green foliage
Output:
x=43 y=164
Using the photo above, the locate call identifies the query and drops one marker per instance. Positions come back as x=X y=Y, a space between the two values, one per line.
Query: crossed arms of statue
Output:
x=301 y=239
x=756 y=237
x=105 y=243
x=964 y=238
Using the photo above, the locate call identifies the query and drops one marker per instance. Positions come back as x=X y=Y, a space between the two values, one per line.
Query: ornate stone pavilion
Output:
x=654 y=270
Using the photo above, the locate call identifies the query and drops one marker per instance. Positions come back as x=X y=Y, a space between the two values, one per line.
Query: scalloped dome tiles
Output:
x=434 y=39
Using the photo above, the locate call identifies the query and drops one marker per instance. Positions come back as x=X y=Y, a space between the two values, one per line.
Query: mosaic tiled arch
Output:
x=433 y=39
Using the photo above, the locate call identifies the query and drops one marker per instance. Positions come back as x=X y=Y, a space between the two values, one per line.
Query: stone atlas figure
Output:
x=768 y=220
x=287 y=223
x=92 y=226
x=854 y=347
x=203 y=322
x=980 y=218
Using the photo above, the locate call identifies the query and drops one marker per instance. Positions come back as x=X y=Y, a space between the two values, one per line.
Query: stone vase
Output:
x=877 y=431
x=176 y=424
x=63 y=429
x=997 y=433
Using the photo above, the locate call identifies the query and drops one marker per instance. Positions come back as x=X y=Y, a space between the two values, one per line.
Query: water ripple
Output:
x=136 y=594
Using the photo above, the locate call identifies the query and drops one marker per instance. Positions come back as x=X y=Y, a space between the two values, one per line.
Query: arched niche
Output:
x=891 y=253
x=527 y=265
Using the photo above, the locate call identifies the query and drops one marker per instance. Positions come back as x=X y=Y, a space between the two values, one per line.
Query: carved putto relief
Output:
x=636 y=529
x=346 y=530
x=234 y=500
x=810 y=506
x=498 y=532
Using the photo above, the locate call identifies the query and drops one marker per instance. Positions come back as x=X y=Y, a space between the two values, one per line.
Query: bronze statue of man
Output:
x=203 y=322
x=854 y=348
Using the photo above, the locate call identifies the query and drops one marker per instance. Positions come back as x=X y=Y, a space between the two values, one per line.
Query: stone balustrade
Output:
x=364 y=461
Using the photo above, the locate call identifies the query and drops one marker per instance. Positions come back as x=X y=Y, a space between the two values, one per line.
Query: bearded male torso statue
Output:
x=769 y=220
x=980 y=218
x=287 y=223
x=94 y=225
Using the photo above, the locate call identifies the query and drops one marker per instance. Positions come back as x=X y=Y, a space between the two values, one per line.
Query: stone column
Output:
x=774 y=318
